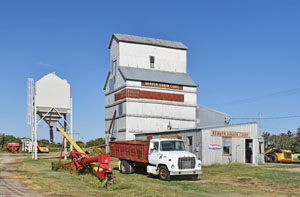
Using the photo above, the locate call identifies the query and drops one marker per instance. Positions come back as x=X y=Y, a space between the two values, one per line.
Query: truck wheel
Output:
x=124 y=167
x=274 y=159
x=194 y=177
x=131 y=169
x=164 y=173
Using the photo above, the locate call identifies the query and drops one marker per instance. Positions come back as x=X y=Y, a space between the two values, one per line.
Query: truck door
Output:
x=153 y=153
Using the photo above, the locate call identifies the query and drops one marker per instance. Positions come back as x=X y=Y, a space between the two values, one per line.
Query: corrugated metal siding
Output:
x=148 y=41
x=238 y=145
x=208 y=117
x=141 y=74
x=202 y=139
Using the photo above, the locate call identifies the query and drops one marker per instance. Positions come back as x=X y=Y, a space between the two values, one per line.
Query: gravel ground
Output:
x=10 y=185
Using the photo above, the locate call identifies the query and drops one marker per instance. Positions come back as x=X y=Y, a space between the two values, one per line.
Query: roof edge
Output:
x=104 y=88
x=110 y=42
x=163 y=71
x=214 y=110
x=152 y=44
x=197 y=128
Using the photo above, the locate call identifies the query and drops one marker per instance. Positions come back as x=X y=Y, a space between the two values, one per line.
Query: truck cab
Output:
x=168 y=157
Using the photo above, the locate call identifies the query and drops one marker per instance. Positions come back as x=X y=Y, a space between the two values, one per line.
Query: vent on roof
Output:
x=151 y=61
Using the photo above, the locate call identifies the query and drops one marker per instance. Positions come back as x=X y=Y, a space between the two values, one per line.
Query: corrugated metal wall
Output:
x=208 y=117
x=211 y=156
x=201 y=139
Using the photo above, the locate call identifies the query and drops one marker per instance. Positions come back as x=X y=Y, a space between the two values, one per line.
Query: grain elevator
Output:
x=148 y=87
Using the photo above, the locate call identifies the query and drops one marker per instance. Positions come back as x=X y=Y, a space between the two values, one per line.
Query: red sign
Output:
x=215 y=146
x=141 y=94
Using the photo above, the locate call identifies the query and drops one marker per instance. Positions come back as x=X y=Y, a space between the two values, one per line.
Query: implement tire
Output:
x=164 y=173
x=125 y=167
x=267 y=159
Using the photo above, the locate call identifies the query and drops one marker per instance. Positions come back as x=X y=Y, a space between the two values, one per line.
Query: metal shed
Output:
x=218 y=144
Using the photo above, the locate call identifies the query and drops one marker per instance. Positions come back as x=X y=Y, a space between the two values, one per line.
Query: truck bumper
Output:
x=190 y=172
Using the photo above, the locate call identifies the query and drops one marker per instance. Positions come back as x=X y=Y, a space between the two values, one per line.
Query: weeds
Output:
x=217 y=180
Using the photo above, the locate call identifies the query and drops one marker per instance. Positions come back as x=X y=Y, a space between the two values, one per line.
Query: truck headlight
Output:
x=199 y=165
x=172 y=166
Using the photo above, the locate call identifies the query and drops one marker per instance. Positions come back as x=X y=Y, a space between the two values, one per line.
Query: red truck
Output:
x=163 y=157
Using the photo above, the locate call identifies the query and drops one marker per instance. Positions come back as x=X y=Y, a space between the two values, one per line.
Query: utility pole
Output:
x=3 y=140
x=260 y=133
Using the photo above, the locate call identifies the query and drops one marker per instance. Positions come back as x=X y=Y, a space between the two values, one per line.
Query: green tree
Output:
x=266 y=136
x=95 y=142
x=44 y=141
x=274 y=140
x=284 y=141
x=80 y=144
x=296 y=142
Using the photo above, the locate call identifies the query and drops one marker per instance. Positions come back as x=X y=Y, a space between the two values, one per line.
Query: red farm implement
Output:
x=13 y=147
x=83 y=161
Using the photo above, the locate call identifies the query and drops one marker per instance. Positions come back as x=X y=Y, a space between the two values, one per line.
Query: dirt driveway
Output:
x=10 y=185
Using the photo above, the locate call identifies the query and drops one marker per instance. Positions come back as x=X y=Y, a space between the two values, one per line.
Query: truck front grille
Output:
x=287 y=155
x=186 y=162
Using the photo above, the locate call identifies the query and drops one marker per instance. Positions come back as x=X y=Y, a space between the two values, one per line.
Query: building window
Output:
x=151 y=61
x=121 y=109
x=114 y=68
x=111 y=84
x=226 y=146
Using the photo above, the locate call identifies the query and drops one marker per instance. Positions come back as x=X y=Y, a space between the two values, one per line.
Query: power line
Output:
x=261 y=97
x=268 y=118
x=277 y=128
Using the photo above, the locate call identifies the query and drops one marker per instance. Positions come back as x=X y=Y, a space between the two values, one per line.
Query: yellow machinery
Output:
x=83 y=161
x=278 y=155
x=42 y=148
x=77 y=148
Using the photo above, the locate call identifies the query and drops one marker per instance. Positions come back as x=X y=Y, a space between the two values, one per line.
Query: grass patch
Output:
x=257 y=173
x=217 y=180
x=279 y=166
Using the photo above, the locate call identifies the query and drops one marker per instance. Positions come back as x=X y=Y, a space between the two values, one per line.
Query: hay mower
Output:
x=83 y=161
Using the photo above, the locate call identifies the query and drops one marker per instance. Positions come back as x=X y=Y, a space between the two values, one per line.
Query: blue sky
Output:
x=243 y=54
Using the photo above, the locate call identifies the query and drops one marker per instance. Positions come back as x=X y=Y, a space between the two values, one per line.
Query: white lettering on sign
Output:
x=230 y=134
x=161 y=85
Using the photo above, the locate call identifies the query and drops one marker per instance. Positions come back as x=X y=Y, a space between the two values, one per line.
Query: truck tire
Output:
x=131 y=169
x=274 y=159
x=164 y=173
x=194 y=177
x=124 y=167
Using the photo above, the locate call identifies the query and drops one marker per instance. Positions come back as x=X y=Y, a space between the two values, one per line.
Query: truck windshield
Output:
x=172 y=146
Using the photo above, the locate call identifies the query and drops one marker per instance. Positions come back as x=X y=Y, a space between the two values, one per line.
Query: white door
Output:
x=154 y=153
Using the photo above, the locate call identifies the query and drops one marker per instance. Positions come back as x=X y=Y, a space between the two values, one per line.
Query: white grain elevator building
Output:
x=148 y=87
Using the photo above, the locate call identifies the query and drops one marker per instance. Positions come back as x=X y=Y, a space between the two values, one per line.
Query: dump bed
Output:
x=130 y=150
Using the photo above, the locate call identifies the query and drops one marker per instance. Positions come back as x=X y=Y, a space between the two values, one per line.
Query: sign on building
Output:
x=230 y=134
